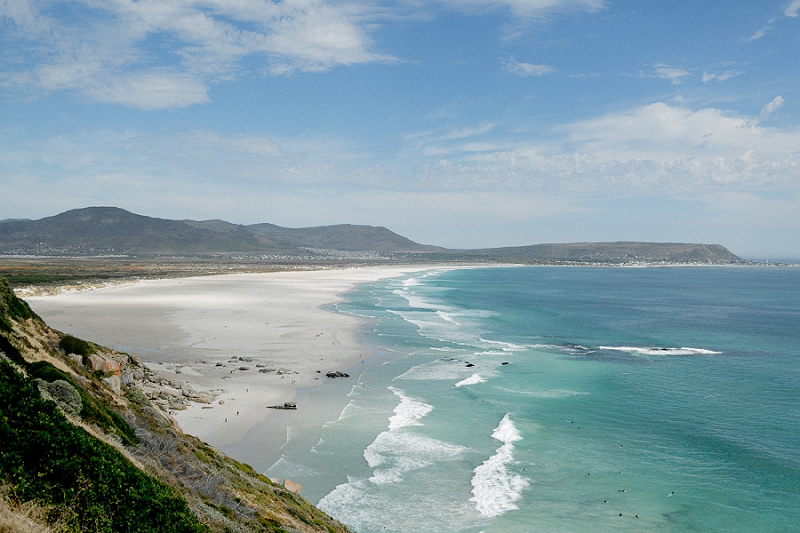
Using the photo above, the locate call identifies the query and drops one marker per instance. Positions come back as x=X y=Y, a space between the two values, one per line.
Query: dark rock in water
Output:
x=469 y=365
x=286 y=405
x=504 y=363
x=337 y=374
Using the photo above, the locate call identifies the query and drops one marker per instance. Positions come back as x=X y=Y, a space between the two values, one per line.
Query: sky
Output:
x=459 y=123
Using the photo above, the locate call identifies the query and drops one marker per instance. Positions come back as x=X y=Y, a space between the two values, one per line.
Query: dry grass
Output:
x=24 y=518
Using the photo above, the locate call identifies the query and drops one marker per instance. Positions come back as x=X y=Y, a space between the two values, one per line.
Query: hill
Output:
x=81 y=442
x=110 y=231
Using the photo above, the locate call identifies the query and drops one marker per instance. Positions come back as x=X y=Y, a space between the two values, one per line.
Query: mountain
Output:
x=96 y=231
x=110 y=230
x=611 y=252
x=85 y=443
x=342 y=237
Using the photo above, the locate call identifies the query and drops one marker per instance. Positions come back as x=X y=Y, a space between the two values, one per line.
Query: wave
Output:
x=399 y=452
x=402 y=451
x=474 y=379
x=494 y=488
x=551 y=393
x=660 y=350
x=408 y=411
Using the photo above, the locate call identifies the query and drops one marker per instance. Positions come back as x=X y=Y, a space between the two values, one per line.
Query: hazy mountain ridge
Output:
x=96 y=231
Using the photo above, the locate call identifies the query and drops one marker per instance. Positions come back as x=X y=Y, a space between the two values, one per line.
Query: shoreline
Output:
x=195 y=330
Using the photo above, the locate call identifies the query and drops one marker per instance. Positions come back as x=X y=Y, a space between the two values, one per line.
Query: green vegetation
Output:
x=44 y=457
x=12 y=307
x=77 y=346
x=58 y=474
x=92 y=411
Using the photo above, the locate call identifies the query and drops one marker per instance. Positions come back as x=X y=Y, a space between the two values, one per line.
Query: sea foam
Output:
x=494 y=488
x=474 y=379
x=661 y=351
x=398 y=451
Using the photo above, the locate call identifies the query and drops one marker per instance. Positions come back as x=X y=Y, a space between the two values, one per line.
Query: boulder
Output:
x=292 y=486
x=113 y=383
x=99 y=363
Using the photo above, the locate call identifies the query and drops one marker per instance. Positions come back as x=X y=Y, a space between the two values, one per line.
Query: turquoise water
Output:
x=567 y=399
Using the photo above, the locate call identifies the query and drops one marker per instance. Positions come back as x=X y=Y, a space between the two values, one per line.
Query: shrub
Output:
x=136 y=397
x=74 y=345
x=44 y=457
x=92 y=410
x=66 y=396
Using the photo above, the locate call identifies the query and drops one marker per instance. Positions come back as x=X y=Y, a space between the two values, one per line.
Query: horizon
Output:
x=487 y=123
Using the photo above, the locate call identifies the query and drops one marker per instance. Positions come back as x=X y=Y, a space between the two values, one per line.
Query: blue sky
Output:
x=469 y=123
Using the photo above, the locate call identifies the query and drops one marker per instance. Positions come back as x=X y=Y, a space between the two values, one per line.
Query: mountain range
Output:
x=99 y=231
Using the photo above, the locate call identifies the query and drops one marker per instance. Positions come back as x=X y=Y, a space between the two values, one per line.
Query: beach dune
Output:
x=250 y=339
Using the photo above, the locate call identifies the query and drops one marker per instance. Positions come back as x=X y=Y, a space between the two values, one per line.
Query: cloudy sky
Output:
x=462 y=123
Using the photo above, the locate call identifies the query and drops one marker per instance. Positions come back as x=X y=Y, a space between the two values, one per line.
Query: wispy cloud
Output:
x=527 y=8
x=108 y=50
x=761 y=32
x=793 y=9
x=512 y=66
x=773 y=106
x=468 y=131
x=722 y=76
x=668 y=72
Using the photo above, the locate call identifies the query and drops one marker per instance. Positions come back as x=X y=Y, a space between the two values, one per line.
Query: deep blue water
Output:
x=567 y=399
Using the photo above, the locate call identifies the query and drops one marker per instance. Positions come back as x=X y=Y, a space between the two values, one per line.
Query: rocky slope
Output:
x=85 y=432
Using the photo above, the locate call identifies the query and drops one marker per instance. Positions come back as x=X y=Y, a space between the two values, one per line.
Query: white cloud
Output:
x=793 y=9
x=668 y=72
x=709 y=76
x=513 y=66
x=773 y=106
x=108 y=53
x=527 y=8
x=462 y=133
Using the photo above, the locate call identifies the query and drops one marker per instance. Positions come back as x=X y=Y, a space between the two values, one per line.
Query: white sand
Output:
x=191 y=324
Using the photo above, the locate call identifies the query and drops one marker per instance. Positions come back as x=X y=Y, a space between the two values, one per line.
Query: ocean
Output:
x=565 y=399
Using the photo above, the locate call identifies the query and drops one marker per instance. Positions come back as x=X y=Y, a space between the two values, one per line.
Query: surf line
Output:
x=494 y=487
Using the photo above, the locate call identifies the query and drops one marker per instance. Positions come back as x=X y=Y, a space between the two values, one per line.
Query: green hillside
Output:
x=87 y=459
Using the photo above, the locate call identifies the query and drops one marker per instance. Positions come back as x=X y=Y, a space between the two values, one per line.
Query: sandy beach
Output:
x=254 y=340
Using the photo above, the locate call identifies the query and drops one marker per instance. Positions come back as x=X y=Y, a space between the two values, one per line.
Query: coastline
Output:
x=253 y=340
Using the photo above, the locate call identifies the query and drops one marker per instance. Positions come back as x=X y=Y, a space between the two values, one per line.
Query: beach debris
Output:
x=337 y=374
x=290 y=406
x=244 y=368
x=470 y=365
x=504 y=363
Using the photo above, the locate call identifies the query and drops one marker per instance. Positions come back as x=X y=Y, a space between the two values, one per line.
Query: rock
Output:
x=113 y=383
x=127 y=378
x=244 y=368
x=292 y=486
x=291 y=406
x=77 y=358
x=98 y=363
x=337 y=374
